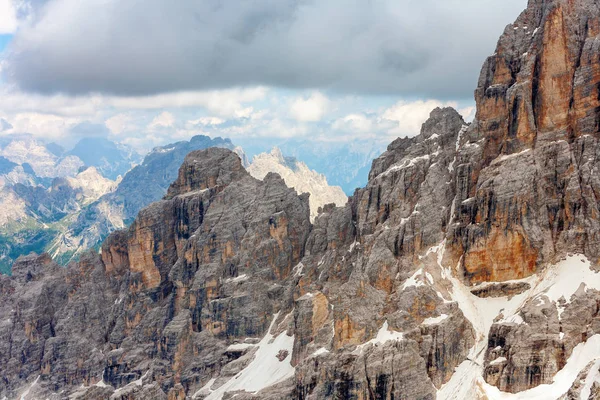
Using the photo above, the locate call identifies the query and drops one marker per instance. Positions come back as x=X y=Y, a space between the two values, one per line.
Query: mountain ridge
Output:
x=467 y=267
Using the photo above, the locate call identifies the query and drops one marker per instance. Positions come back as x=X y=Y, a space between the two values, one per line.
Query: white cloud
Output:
x=163 y=120
x=409 y=116
x=8 y=17
x=12 y=101
x=224 y=103
x=354 y=123
x=468 y=113
x=120 y=123
x=47 y=126
x=311 y=109
x=206 y=121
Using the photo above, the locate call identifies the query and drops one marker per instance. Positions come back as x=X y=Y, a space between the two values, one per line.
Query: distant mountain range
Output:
x=297 y=175
x=144 y=184
x=344 y=165
x=67 y=201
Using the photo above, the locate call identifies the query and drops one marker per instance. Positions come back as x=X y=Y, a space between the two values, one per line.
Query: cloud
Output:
x=8 y=17
x=409 y=116
x=359 y=123
x=46 y=126
x=120 y=123
x=309 y=109
x=226 y=103
x=400 y=47
x=88 y=129
x=163 y=120
x=206 y=121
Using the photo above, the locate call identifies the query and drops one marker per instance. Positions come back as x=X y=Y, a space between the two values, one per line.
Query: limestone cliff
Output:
x=467 y=268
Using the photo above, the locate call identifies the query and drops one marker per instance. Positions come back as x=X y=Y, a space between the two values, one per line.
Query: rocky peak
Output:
x=541 y=84
x=206 y=169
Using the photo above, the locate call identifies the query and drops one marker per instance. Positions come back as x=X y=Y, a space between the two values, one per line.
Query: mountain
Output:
x=110 y=159
x=144 y=184
x=466 y=268
x=32 y=215
x=344 y=165
x=298 y=176
x=25 y=150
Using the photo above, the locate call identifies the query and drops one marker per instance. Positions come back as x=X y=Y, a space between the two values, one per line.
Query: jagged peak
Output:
x=205 y=169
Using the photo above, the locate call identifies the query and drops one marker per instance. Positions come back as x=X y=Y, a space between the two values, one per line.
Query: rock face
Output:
x=298 y=176
x=144 y=184
x=467 y=266
x=528 y=175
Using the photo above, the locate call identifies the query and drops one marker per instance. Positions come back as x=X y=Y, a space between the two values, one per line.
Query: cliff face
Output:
x=528 y=173
x=467 y=267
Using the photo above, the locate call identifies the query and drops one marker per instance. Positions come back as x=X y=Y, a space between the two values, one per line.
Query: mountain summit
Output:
x=467 y=268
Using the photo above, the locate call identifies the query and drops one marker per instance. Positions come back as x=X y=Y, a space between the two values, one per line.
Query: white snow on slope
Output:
x=265 y=370
x=297 y=175
x=592 y=377
x=384 y=335
x=408 y=163
x=582 y=355
x=435 y=320
x=26 y=392
x=560 y=280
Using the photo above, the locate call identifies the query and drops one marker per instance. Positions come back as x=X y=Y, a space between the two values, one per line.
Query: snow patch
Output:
x=384 y=335
x=582 y=355
x=298 y=270
x=237 y=279
x=240 y=346
x=26 y=392
x=513 y=319
x=409 y=163
x=510 y=156
x=412 y=281
x=499 y=360
x=436 y=320
x=266 y=369
x=592 y=377
x=322 y=350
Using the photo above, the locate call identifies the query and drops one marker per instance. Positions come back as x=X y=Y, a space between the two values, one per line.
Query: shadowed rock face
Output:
x=383 y=298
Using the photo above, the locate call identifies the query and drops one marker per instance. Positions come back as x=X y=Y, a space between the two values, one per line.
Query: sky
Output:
x=153 y=72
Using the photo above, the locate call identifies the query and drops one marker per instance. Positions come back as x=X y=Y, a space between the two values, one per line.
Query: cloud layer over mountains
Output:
x=425 y=49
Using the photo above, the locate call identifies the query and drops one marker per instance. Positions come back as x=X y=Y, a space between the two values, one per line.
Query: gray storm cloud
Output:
x=428 y=48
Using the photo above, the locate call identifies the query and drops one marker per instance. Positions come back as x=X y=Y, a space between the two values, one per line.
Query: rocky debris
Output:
x=504 y=289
